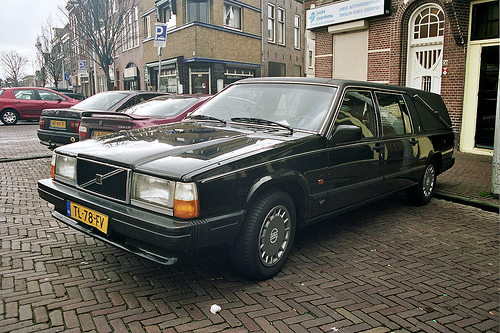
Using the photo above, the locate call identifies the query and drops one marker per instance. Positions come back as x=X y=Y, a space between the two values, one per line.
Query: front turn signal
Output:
x=186 y=209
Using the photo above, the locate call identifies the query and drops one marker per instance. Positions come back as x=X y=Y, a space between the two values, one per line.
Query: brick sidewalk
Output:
x=388 y=267
x=469 y=179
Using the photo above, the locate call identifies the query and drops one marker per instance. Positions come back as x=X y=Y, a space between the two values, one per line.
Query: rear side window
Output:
x=1 y=92
x=25 y=94
x=393 y=114
x=357 y=110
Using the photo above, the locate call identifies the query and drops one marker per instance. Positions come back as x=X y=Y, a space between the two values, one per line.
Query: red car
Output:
x=156 y=111
x=27 y=103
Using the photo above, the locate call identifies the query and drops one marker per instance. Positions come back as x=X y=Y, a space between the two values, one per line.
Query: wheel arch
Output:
x=437 y=157
x=291 y=182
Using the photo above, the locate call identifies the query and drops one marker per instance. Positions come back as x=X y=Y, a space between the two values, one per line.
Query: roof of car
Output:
x=334 y=82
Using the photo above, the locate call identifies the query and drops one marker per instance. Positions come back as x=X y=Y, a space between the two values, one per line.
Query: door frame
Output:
x=471 y=90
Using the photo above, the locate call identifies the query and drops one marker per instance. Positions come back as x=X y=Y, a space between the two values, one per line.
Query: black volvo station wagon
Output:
x=252 y=166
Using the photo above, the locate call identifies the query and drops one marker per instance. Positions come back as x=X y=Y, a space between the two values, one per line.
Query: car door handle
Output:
x=378 y=147
x=413 y=142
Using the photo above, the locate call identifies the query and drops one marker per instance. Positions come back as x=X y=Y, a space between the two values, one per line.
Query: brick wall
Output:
x=388 y=47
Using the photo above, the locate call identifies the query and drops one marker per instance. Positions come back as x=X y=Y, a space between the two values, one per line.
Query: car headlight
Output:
x=63 y=166
x=178 y=199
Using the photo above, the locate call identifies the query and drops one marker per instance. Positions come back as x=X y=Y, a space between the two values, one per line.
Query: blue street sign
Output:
x=160 y=35
x=82 y=65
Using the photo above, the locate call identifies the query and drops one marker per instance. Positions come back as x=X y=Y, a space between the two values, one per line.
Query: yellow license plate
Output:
x=96 y=134
x=87 y=216
x=58 y=123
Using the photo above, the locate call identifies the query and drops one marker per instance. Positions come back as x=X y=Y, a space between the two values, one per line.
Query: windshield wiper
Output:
x=204 y=117
x=260 y=121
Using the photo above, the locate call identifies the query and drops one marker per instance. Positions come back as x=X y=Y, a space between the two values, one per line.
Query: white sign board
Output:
x=344 y=11
x=160 y=35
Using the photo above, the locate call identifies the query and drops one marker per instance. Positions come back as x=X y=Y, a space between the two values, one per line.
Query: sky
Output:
x=21 y=23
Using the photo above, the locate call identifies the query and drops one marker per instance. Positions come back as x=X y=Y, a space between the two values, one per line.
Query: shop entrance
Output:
x=199 y=81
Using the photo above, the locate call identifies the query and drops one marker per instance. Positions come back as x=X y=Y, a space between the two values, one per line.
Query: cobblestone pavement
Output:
x=388 y=267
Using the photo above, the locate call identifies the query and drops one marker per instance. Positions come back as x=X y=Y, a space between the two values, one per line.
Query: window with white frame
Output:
x=280 y=28
x=271 y=21
x=131 y=31
x=232 y=16
x=147 y=27
x=296 y=31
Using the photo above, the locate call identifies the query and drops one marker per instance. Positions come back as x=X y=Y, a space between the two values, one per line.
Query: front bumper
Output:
x=151 y=235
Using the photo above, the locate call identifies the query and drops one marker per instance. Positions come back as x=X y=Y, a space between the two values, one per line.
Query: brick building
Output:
x=448 y=47
x=209 y=44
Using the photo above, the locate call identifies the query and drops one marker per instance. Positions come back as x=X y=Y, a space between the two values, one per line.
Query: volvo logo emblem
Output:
x=98 y=179
x=100 y=122
x=273 y=237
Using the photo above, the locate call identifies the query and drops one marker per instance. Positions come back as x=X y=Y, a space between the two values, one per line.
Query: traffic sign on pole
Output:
x=160 y=35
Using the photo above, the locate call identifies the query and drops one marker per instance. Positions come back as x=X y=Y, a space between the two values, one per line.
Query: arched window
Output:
x=425 y=50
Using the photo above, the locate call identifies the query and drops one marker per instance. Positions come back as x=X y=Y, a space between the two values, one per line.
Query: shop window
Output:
x=485 y=20
x=232 y=16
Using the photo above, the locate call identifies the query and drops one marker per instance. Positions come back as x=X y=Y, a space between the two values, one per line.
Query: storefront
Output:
x=447 y=48
x=169 y=79
x=196 y=75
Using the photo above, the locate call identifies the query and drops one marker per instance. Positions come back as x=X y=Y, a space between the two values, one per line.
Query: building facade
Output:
x=209 y=44
x=447 y=47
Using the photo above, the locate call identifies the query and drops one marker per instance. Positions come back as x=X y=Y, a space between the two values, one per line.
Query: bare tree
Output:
x=13 y=64
x=99 y=25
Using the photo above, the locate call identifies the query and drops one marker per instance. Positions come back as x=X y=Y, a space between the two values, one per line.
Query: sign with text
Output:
x=160 y=35
x=345 y=11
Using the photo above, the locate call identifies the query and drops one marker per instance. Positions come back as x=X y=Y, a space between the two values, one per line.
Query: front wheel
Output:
x=421 y=194
x=9 y=117
x=267 y=236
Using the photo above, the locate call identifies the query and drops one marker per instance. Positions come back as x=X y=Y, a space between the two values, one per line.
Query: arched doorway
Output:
x=131 y=79
x=425 y=48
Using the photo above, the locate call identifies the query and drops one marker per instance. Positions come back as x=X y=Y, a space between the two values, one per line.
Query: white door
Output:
x=425 y=49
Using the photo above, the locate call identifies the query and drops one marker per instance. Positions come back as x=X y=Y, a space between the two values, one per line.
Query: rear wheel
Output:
x=9 y=117
x=421 y=194
x=266 y=238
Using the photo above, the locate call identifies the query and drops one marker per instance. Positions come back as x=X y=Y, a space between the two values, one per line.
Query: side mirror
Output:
x=347 y=133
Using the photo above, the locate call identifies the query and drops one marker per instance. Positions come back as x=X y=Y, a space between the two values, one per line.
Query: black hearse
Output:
x=252 y=166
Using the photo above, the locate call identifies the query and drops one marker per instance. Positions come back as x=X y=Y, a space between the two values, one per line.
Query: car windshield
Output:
x=102 y=101
x=299 y=106
x=162 y=107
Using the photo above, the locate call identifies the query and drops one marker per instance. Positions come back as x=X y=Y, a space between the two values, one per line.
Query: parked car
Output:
x=260 y=160
x=27 y=103
x=60 y=126
x=70 y=93
x=156 y=111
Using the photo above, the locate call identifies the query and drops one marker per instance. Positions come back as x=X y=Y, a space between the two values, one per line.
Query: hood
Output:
x=181 y=150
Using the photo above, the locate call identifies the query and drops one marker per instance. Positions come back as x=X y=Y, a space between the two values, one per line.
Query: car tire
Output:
x=267 y=236
x=421 y=194
x=9 y=117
